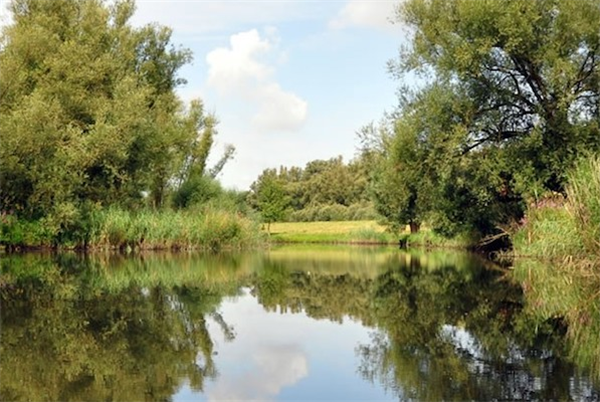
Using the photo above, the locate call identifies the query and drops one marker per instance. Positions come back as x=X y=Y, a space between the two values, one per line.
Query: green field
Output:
x=365 y=232
x=359 y=232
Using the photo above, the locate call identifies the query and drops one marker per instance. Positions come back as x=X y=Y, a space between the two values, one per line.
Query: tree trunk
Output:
x=414 y=227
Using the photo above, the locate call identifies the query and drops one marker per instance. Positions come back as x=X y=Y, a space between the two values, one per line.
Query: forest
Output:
x=500 y=138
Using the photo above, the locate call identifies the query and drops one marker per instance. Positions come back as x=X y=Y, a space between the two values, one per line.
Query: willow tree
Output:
x=88 y=109
x=524 y=79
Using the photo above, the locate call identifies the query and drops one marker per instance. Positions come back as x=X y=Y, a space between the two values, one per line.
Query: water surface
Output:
x=293 y=323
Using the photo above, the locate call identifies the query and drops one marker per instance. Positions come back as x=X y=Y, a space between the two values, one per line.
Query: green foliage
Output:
x=90 y=114
x=397 y=186
x=196 y=190
x=431 y=239
x=324 y=190
x=269 y=198
x=549 y=231
x=423 y=173
x=510 y=103
x=362 y=211
x=202 y=227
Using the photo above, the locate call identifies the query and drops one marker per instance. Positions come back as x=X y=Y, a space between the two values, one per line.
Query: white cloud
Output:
x=240 y=71
x=366 y=14
x=231 y=68
x=279 y=110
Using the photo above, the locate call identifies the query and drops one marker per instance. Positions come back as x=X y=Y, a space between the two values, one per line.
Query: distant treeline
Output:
x=324 y=190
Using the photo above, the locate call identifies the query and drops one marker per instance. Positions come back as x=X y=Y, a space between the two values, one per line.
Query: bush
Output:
x=196 y=190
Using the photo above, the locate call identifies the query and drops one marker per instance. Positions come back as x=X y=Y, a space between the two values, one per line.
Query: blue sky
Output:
x=289 y=81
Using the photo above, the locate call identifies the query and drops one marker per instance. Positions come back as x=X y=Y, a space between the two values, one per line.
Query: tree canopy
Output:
x=511 y=98
x=88 y=109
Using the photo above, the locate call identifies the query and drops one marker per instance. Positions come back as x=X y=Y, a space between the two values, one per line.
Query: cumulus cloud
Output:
x=279 y=110
x=366 y=14
x=241 y=71
x=236 y=66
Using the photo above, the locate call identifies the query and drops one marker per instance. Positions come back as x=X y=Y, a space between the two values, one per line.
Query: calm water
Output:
x=293 y=323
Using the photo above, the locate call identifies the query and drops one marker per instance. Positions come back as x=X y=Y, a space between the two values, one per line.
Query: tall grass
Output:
x=584 y=201
x=560 y=228
x=206 y=227
x=550 y=231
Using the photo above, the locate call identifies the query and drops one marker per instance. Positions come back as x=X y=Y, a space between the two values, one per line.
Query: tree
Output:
x=398 y=178
x=268 y=196
x=424 y=175
x=512 y=99
x=90 y=113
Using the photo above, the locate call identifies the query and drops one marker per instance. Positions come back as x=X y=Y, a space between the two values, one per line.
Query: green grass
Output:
x=359 y=232
x=427 y=238
x=584 y=201
x=207 y=227
x=366 y=232
x=550 y=232
x=564 y=228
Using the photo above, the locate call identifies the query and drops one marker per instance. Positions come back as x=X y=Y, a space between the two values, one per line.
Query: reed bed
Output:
x=207 y=228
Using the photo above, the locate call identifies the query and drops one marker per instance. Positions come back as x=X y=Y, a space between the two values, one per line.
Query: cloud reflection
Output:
x=272 y=368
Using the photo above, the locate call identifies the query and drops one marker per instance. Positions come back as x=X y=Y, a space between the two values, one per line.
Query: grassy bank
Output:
x=113 y=228
x=565 y=228
x=426 y=238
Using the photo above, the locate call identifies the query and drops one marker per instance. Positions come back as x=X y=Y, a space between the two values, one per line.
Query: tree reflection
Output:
x=570 y=291
x=450 y=336
x=61 y=343
x=447 y=328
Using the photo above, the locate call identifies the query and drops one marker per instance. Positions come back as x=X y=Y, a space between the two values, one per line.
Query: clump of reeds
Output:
x=548 y=231
x=584 y=201
x=204 y=228
x=565 y=227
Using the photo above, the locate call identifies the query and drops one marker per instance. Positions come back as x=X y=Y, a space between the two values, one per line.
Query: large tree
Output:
x=512 y=98
x=88 y=109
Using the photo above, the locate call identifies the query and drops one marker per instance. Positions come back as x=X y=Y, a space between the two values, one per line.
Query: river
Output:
x=291 y=323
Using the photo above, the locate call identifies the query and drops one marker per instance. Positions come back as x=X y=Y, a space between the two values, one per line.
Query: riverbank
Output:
x=203 y=228
x=566 y=229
